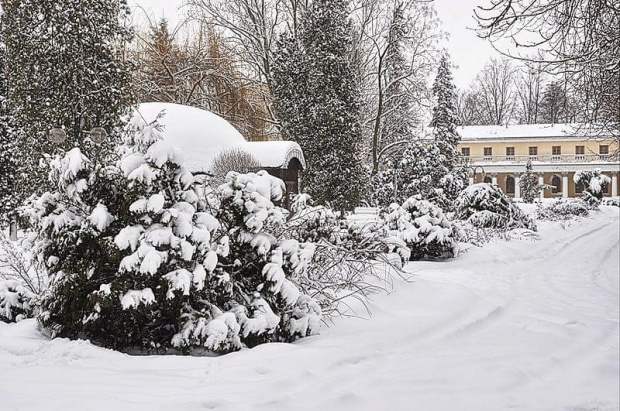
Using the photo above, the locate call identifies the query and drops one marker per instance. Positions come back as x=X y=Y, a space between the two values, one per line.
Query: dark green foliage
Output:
x=317 y=100
x=8 y=154
x=445 y=118
x=485 y=206
x=530 y=188
x=65 y=67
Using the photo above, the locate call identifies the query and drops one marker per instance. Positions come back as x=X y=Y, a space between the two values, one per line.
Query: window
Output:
x=510 y=185
x=580 y=153
x=488 y=151
x=603 y=150
x=579 y=188
x=465 y=151
x=533 y=151
x=488 y=179
x=556 y=150
x=556 y=185
x=510 y=153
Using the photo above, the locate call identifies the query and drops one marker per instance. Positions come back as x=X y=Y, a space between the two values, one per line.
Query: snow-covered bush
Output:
x=16 y=301
x=423 y=227
x=562 y=209
x=593 y=182
x=22 y=281
x=346 y=257
x=257 y=269
x=485 y=206
x=420 y=170
x=139 y=260
x=611 y=201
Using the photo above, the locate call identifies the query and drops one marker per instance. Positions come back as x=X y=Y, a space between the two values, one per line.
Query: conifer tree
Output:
x=529 y=184
x=8 y=163
x=64 y=68
x=445 y=118
x=317 y=97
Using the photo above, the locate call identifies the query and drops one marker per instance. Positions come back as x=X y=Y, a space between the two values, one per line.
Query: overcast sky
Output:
x=468 y=52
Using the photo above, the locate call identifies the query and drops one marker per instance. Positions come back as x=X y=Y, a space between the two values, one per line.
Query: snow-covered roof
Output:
x=202 y=135
x=521 y=131
x=274 y=154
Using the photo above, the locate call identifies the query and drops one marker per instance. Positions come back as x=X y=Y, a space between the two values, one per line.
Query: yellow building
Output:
x=499 y=154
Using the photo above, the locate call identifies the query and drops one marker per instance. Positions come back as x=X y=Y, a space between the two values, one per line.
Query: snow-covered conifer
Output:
x=423 y=227
x=64 y=68
x=316 y=93
x=8 y=155
x=530 y=189
x=593 y=183
x=445 y=118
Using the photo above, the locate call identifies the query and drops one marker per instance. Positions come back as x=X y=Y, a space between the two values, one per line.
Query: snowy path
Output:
x=518 y=325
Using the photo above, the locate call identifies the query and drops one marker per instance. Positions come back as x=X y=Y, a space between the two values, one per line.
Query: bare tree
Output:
x=395 y=55
x=494 y=88
x=191 y=64
x=578 y=38
x=529 y=82
x=251 y=28
x=232 y=160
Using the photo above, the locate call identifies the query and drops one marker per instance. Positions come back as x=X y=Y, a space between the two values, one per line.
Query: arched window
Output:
x=510 y=185
x=488 y=179
x=556 y=185
x=579 y=188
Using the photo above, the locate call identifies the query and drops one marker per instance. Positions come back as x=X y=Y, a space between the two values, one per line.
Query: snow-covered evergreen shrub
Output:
x=259 y=267
x=593 y=182
x=485 y=206
x=139 y=260
x=420 y=170
x=562 y=209
x=611 y=201
x=16 y=301
x=530 y=188
x=423 y=227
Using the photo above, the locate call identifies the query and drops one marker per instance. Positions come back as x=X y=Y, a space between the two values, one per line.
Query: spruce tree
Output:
x=8 y=162
x=445 y=119
x=317 y=98
x=529 y=184
x=64 y=68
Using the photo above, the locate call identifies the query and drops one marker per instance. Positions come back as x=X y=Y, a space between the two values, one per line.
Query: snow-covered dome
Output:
x=202 y=135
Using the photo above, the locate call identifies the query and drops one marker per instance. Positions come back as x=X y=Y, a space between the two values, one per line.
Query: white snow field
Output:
x=519 y=325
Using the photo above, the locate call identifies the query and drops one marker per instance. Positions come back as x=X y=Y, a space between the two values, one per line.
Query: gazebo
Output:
x=203 y=135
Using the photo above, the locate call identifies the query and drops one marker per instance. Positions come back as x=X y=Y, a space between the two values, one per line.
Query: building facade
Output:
x=499 y=154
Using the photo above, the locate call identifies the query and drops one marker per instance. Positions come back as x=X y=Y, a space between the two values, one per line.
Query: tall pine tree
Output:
x=8 y=162
x=65 y=68
x=445 y=118
x=317 y=98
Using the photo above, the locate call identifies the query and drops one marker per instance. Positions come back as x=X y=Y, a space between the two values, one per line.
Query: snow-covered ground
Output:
x=518 y=325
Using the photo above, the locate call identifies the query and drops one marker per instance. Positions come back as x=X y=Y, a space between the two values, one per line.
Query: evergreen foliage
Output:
x=593 y=182
x=485 y=206
x=420 y=170
x=530 y=189
x=445 y=116
x=8 y=154
x=138 y=259
x=423 y=227
x=318 y=102
x=64 y=68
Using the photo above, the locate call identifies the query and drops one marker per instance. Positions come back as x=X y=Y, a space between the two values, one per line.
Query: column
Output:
x=517 y=186
x=471 y=180
x=614 y=183
x=565 y=184
x=541 y=183
x=494 y=179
